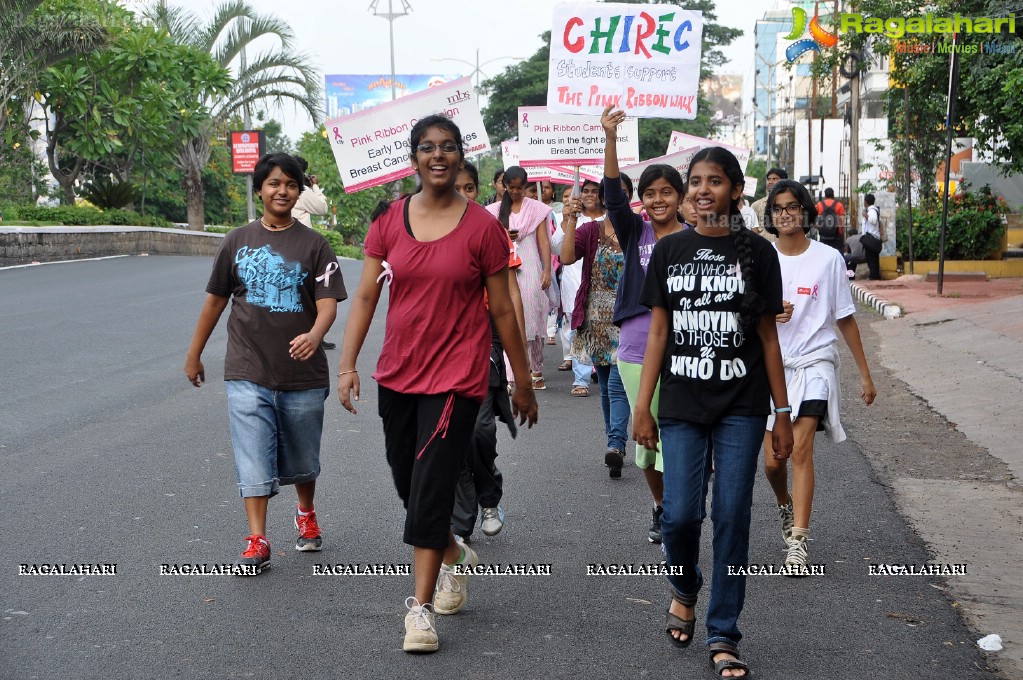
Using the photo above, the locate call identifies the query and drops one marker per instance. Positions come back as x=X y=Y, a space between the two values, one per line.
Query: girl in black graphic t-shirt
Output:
x=714 y=292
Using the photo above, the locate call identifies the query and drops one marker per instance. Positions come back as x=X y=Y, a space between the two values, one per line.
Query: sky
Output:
x=343 y=36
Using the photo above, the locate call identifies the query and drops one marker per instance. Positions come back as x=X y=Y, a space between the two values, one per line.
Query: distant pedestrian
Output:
x=773 y=175
x=816 y=299
x=830 y=221
x=871 y=238
x=526 y=220
x=438 y=253
x=714 y=292
x=284 y=281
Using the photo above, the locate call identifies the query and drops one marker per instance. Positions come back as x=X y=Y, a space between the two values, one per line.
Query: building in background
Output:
x=349 y=93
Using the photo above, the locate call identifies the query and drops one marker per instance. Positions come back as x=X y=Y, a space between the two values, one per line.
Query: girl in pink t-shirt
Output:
x=438 y=253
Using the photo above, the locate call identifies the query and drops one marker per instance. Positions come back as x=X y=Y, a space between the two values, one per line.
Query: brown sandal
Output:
x=580 y=391
x=684 y=626
x=566 y=365
x=538 y=382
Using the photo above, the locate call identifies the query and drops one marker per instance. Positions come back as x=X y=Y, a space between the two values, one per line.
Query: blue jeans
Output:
x=615 y=405
x=687 y=457
x=275 y=435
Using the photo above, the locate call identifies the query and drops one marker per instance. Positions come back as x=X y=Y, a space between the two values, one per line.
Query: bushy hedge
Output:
x=975 y=226
x=73 y=215
x=340 y=248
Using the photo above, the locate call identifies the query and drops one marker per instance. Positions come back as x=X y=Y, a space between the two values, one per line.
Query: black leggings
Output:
x=426 y=460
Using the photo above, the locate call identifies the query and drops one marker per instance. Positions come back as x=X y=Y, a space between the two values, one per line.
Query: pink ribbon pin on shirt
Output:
x=388 y=273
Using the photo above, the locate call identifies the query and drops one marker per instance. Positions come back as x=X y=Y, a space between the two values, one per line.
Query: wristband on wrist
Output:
x=783 y=409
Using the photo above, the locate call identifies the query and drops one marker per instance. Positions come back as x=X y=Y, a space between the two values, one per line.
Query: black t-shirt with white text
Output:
x=711 y=368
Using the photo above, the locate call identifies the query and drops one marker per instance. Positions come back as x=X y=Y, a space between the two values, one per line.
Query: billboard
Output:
x=347 y=94
x=725 y=95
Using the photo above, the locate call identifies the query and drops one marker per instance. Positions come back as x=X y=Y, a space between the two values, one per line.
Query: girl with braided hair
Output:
x=714 y=292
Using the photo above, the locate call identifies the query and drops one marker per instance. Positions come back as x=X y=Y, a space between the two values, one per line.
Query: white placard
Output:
x=644 y=59
x=751 y=187
x=563 y=140
x=509 y=153
x=681 y=140
x=678 y=160
x=371 y=146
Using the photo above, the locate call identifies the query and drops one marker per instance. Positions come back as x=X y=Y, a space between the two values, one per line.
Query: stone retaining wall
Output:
x=22 y=245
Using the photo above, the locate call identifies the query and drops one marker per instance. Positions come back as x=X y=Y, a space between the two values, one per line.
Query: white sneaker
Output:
x=785 y=515
x=493 y=521
x=796 y=557
x=451 y=593
x=420 y=631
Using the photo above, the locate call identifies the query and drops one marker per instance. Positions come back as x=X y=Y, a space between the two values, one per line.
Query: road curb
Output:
x=883 y=307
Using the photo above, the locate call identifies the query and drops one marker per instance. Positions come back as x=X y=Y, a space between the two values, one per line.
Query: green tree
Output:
x=269 y=78
x=35 y=35
x=138 y=97
x=525 y=84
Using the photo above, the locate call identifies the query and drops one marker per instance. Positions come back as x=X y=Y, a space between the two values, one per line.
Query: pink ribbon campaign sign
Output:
x=681 y=140
x=644 y=59
x=564 y=140
x=371 y=147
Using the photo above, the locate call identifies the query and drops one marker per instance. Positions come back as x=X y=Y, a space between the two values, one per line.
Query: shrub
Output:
x=85 y=216
x=337 y=244
x=975 y=226
x=104 y=193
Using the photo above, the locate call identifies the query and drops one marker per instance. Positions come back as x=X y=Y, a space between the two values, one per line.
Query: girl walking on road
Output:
x=661 y=190
x=285 y=283
x=439 y=253
x=816 y=301
x=714 y=292
x=526 y=221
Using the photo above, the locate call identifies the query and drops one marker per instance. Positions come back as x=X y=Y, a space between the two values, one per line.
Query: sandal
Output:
x=683 y=626
x=723 y=665
x=566 y=365
x=580 y=391
x=538 y=382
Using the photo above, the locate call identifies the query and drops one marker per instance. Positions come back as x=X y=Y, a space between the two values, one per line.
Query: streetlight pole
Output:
x=476 y=72
x=391 y=15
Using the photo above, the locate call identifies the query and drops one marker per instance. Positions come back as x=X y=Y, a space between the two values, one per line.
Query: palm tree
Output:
x=33 y=37
x=272 y=78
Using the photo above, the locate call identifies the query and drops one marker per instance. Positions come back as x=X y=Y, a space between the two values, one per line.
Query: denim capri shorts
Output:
x=275 y=435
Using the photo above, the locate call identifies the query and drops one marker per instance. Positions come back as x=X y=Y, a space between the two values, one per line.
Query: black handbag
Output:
x=870 y=243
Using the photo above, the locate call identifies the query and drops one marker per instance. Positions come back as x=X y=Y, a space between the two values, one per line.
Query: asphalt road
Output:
x=110 y=456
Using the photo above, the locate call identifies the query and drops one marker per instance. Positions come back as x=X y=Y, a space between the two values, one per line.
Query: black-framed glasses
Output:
x=792 y=210
x=446 y=147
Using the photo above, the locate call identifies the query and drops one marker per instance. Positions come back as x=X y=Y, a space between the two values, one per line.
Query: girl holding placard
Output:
x=714 y=292
x=439 y=253
x=661 y=189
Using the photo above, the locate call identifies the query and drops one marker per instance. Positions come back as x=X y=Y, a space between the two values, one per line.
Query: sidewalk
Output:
x=962 y=353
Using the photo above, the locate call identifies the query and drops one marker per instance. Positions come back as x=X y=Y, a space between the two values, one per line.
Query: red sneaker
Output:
x=256 y=557
x=308 y=533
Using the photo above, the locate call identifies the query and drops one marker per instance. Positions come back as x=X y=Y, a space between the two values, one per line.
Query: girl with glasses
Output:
x=439 y=253
x=816 y=301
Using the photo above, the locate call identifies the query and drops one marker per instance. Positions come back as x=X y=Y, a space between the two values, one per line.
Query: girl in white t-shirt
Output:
x=816 y=299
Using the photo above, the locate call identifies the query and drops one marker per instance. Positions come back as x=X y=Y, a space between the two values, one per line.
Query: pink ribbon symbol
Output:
x=337 y=137
x=327 y=273
x=388 y=273
x=814 y=293
x=525 y=119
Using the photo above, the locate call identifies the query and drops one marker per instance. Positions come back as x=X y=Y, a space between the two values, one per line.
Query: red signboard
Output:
x=246 y=148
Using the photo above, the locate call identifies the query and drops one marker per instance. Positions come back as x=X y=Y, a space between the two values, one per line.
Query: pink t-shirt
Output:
x=437 y=338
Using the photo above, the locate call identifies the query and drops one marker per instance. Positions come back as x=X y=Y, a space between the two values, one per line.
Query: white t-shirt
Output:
x=749 y=216
x=871 y=223
x=815 y=283
x=571 y=274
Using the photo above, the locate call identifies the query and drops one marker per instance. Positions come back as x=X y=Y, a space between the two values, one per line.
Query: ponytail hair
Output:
x=512 y=173
x=752 y=305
